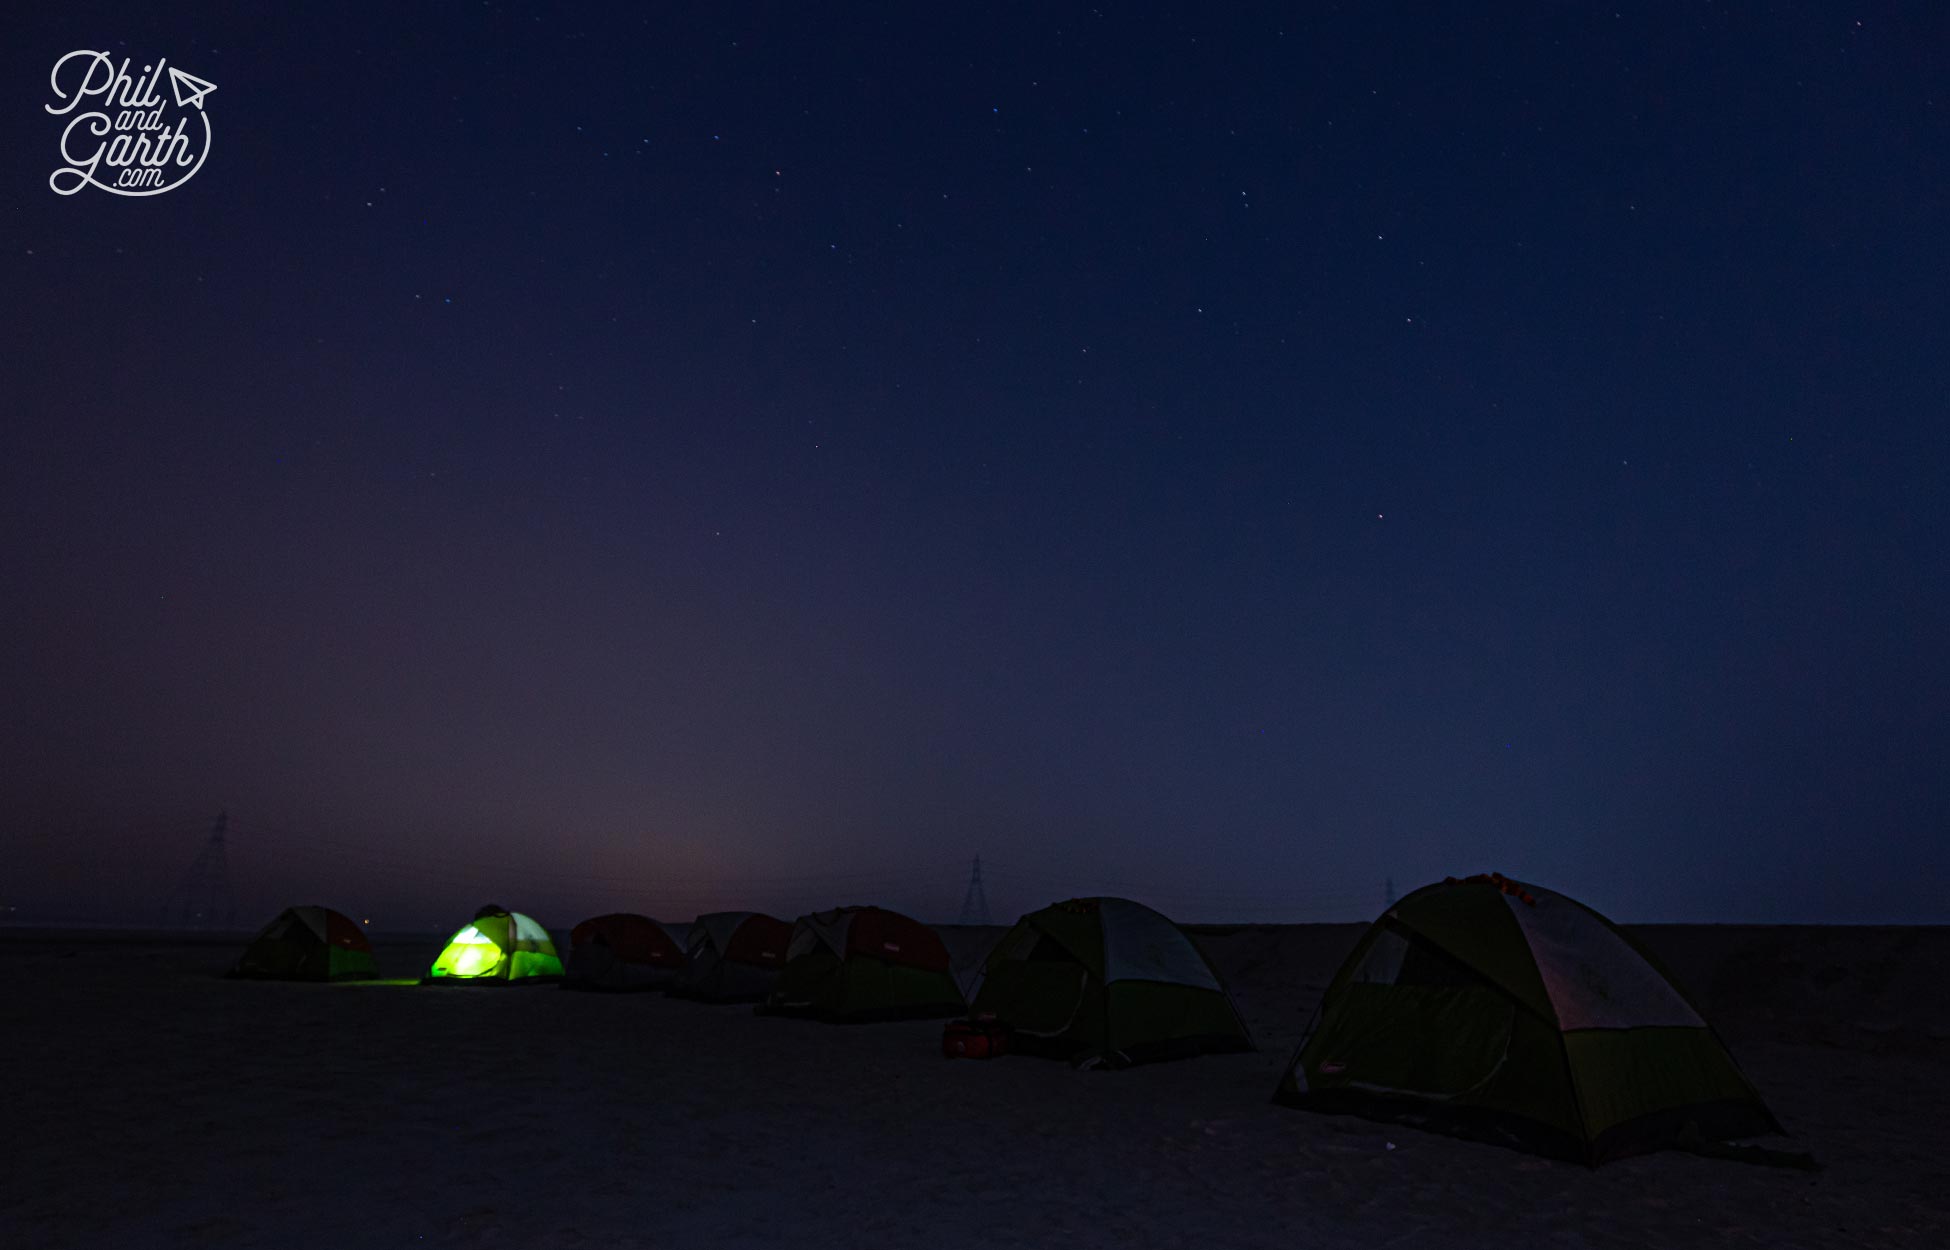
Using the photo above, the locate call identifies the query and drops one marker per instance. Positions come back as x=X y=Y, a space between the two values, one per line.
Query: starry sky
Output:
x=670 y=457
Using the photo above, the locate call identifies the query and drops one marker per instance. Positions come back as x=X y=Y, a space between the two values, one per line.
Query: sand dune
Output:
x=151 y=1103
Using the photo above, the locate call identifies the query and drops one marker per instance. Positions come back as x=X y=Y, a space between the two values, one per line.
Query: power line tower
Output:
x=1389 y=890
x=202 y=899
x=975 y=903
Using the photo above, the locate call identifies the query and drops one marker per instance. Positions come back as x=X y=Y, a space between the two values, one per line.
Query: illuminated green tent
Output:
x=498 y=946
x=1106 y=981
x=1503 y=1012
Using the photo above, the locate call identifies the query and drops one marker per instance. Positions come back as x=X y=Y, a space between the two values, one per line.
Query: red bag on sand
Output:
x=974 y=1039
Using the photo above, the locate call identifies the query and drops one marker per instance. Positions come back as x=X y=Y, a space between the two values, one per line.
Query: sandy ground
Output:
x=150 y=1103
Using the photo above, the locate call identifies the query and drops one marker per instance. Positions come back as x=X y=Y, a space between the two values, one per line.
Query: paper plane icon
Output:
x=189 y=89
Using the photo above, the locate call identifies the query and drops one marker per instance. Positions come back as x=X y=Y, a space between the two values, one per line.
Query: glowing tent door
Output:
x=470 y=953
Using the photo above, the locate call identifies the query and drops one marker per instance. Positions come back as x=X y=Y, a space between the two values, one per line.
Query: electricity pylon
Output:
x=202 y=899
x=975 y=903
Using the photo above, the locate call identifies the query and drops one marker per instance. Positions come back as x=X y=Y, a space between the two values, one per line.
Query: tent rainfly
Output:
x=1107 y=982
x=308 y=944
x=865 y=963
x=622 y=951
x=1502 y=1012
x=732 y=957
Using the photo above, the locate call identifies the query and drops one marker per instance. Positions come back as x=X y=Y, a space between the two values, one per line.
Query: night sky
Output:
x=1227 y=456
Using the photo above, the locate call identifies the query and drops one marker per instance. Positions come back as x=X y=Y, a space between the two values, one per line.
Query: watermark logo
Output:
x=133 y=141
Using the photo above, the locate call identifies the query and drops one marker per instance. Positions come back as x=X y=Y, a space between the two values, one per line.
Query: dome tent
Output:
x=732 y=956
x=310 y=943
x=1507 y=1013
x=499 y=946
x=865 y=963
x=1107 y=981
x=622 y=951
